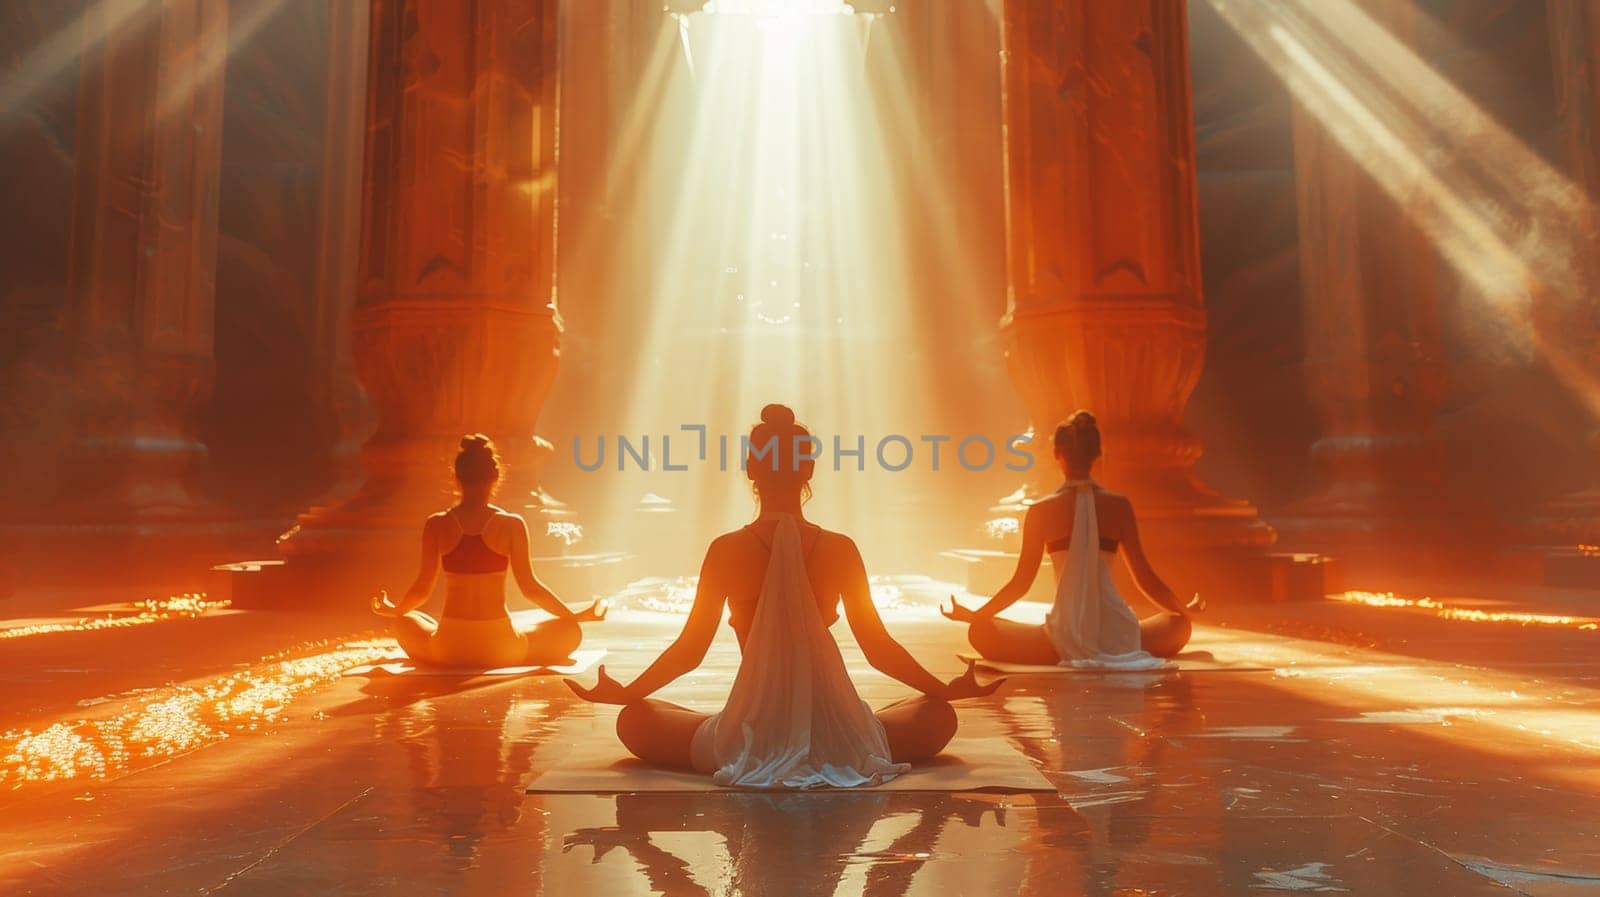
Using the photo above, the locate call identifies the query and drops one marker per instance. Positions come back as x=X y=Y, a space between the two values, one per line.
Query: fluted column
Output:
x=1569 y=323
x=141 y=277
x=339 y=237
x=455 y=326
x=1104 y=303
x=1375 y=365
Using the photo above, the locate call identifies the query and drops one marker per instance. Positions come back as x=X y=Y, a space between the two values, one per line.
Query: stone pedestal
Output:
x=455 y=328
x=1104 y=304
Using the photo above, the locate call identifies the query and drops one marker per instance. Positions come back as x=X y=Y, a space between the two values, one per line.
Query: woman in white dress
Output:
x=1089 y=625
x=793 y=718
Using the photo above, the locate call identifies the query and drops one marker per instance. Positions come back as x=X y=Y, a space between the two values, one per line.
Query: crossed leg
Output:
x=662 y=733
x=551 y=642
x=548 y=643
x=414 y=631
x=1163 y=634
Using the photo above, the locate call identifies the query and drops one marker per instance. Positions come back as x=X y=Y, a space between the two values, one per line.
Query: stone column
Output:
x=1104 y=309
x=1375 y=367
x=1570 y=324
x=455 y=326
x=142 y=260
x=339 y=237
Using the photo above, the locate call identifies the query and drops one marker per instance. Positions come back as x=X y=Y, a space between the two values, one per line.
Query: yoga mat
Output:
x=1193 y=662
x=400 y=665
x=599 y=764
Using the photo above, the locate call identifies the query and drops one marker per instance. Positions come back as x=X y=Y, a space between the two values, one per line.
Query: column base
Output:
x=1572 y=520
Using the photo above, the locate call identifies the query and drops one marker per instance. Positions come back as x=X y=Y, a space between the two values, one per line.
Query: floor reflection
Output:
x=466 y=762
x=1101 y=738
x=1203 y=783
x=798 y=845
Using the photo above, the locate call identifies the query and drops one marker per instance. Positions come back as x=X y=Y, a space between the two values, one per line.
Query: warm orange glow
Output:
x=1471 y=615
x=1499 y=713
x=152 y=610
x=779 y=266
x=176 y=719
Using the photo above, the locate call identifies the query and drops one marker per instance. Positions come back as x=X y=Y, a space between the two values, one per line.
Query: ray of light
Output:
x=1509 y=223
x=1466 y=614
x=779 y=261
x=208 y=52
x=1496 y=712
x=55 y=57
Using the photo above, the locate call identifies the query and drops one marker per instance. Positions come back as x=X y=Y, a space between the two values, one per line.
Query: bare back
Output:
x=737 y=561
x=1051 y=518
x=487 y=532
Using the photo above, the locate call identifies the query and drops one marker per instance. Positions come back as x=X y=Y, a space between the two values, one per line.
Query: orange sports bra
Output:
x=473 y=555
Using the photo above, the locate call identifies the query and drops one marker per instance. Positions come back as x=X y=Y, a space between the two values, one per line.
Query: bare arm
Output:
x=427 y=570
x=689 y=648
x=1027 y=568
x=886 y=655
x=527 y=581
x=1144 y=575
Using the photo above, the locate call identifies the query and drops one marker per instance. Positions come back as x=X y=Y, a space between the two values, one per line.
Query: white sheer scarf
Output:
x=793 y=718
x=1089 y=623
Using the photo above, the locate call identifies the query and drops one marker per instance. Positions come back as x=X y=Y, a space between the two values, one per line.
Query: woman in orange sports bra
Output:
x=476 y=543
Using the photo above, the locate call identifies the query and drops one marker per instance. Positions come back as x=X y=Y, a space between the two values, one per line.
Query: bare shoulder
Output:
x=726 y=547
x=1110 y=496
x=836 y=546
x=503 y=514
x=721 y=544
x=1115 y=503
x=436 y=521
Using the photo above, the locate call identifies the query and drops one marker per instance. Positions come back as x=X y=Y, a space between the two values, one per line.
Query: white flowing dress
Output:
x=1089 y=623
x=793 y=719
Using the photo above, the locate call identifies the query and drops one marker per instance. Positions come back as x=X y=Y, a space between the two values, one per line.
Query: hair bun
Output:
x=777 y=415
x=475 y=442
x=1084 y=420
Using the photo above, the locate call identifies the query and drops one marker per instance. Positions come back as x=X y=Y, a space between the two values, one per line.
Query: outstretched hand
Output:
x=960 y=612
x=594 y=613
x=603 y=840
x=606 y=690
x=966 y=685
x=383 y=605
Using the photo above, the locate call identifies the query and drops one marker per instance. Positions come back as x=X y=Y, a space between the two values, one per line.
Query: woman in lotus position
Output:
x=1089 y=625
x=475 y=542
x=793 y=718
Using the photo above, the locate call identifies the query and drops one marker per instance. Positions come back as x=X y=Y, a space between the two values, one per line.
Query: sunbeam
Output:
x=56 y=56
x=779 y=272
x=1510 y=225
x=208 y=49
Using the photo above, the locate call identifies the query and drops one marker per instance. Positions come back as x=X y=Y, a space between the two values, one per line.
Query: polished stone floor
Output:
x=1368 y=752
